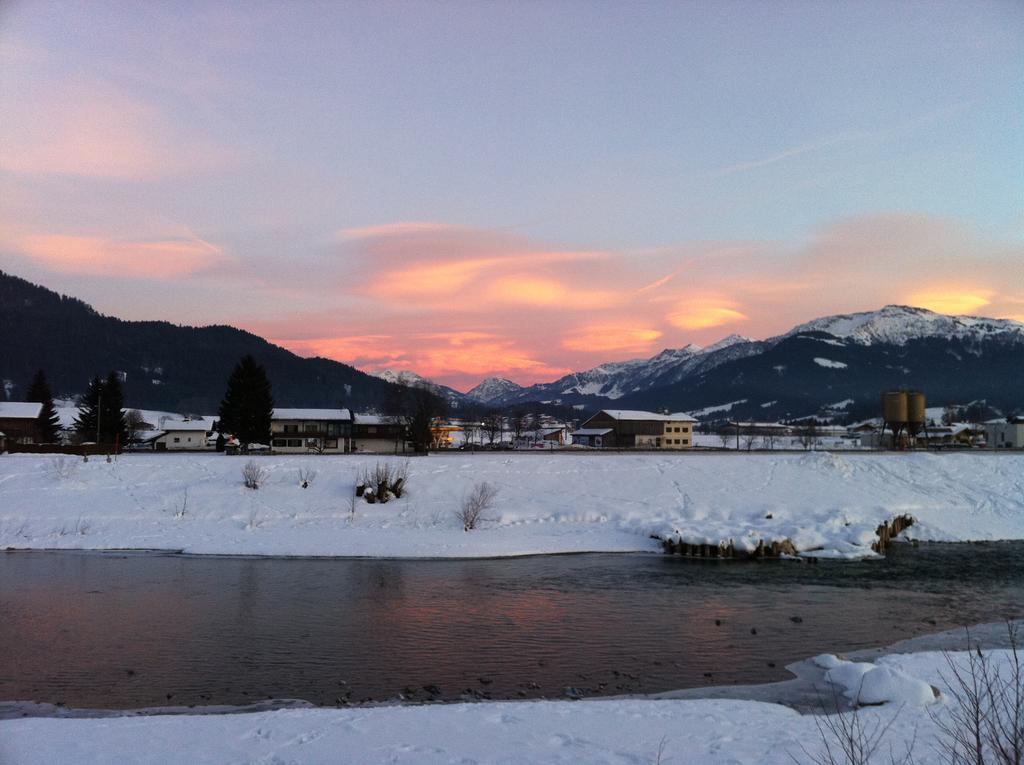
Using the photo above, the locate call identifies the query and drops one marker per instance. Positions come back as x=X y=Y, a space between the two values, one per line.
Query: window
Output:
x=294 y=442
x=280 y=442
x=312 y=427
x=177 y=440
x=686 y=441
x=371 y=429
x=332 y=428
x=332 y=443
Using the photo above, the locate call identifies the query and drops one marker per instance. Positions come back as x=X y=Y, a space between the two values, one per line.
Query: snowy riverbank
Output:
x=551 y=503
x=713 y=730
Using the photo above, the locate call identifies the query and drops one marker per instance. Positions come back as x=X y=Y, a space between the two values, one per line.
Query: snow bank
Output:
x=546 y=503
x=865 y=683
x=600 y=731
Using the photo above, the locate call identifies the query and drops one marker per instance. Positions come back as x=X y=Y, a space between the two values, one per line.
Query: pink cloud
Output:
x=86 y=127
x=148 y=259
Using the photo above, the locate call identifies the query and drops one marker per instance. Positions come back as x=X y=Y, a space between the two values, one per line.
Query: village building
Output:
x=443 y=435
x=999 y=434
x=380 y=434
x=631 y=429
x=957 y=434
x=182 y=435
x=19 y=422
x=320 y=431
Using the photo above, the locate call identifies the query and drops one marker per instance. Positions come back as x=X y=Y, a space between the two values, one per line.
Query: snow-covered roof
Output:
x=312 y=414
x=375 y=419
x=591 y=432
x=19 y=410
x=169 y=425
x=636 y=414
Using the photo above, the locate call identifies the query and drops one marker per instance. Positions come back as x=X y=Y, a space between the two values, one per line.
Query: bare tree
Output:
x=808 y=434
x=748 y=440
x=725 y=437
x=475 y=504
x=470 y=433
x=135 y=423
x=519 y=423
x=494 y=423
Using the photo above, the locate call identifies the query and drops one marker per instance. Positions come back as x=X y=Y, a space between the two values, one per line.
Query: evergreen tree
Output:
x=88 y=409
x=248 y=404
x=113 y=426
x=48 y=422
x=101 y=412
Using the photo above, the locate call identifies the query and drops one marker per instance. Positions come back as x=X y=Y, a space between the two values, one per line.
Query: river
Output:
x=116 y=630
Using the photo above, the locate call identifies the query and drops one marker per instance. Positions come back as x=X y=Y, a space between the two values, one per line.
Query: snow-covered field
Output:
x=546 y=503
x=600 y=731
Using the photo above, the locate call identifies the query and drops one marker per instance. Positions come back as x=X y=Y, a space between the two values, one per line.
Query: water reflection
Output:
x=142 y=630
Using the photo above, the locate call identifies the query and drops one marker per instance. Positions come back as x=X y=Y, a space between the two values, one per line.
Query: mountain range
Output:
x=827 y=366
x=830 y=366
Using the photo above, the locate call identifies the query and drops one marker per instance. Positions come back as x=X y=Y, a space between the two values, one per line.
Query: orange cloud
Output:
x=408 y=228
x=455 y=358
x=380 y=348
x=954 y=301
x=611 y=337
x=154 y=259
x=703 y=313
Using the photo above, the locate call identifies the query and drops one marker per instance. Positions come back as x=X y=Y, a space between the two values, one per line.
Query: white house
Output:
x=379 y=434
x=184 y=435
x=1005 y=434
x=301 y=431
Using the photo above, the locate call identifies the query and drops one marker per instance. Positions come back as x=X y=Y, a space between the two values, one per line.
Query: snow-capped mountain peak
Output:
x=492 y=389
x=402 y=377
x=725 y=342
x=898 y=324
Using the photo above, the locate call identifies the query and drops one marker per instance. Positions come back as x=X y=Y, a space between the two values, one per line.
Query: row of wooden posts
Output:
x=776 y=548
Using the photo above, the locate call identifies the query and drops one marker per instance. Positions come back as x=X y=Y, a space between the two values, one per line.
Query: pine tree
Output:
x=113 y=426
x=88 y=409
x=48 y=423
x=101 y=412
x=248 y=404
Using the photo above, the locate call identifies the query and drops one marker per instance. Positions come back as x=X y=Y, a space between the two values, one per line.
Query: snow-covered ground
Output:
x=546 y=503
x=738 y=732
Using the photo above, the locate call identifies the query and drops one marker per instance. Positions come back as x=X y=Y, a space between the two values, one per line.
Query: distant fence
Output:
x=79 y=449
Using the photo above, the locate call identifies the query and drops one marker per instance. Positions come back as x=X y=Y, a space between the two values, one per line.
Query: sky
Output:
x=518 y=189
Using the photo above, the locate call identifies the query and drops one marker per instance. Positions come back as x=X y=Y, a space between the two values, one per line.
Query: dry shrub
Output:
x=385 y=480
x=475 y=504
x=63 y=468
x=986 y=721
x=253 y=475
x=306 y=477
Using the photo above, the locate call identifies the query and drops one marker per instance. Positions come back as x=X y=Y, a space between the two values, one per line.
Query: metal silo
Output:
x=915 y=412
x=895 y=407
